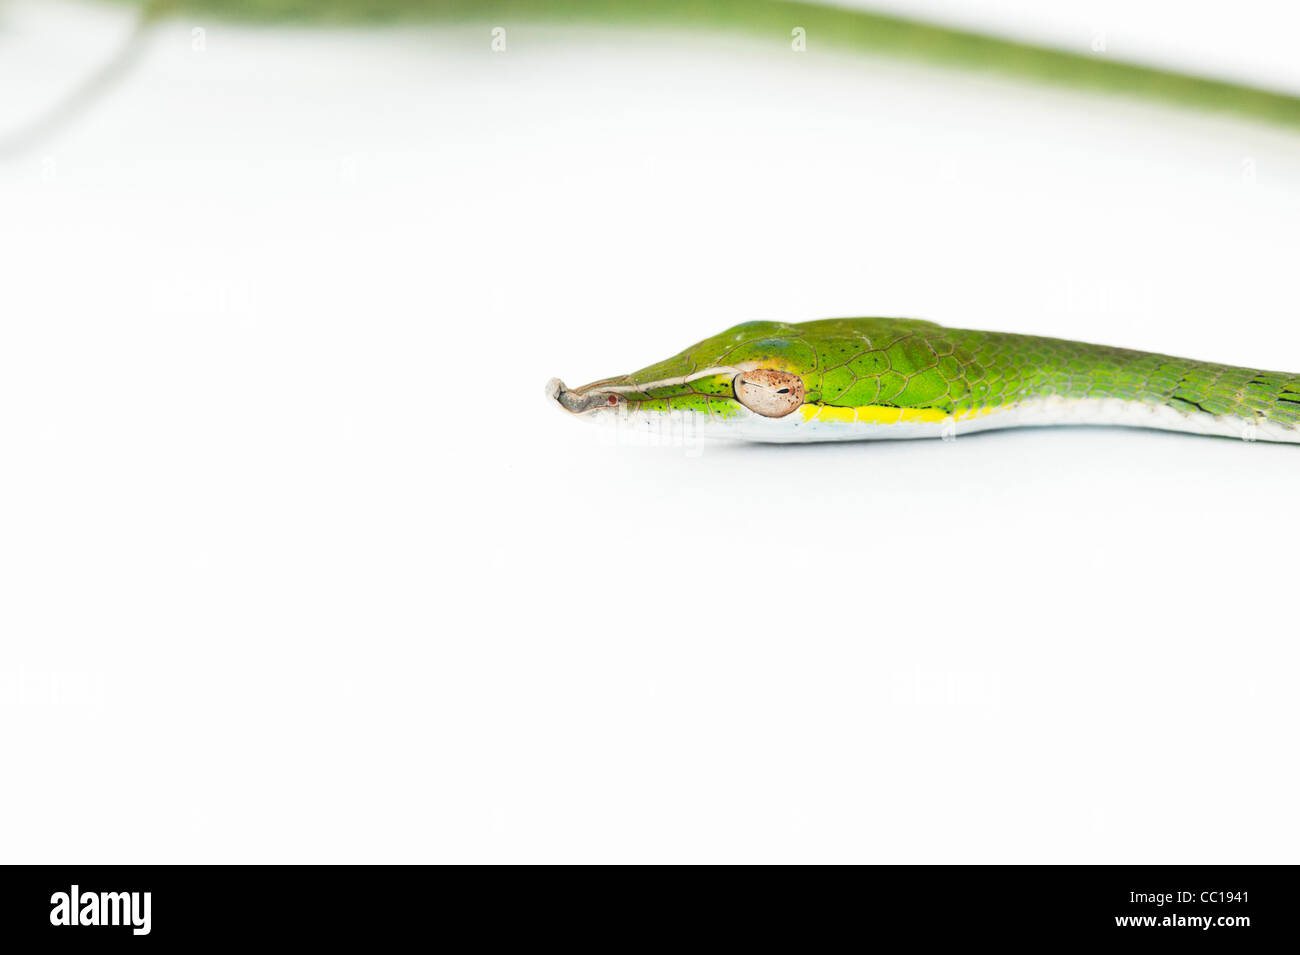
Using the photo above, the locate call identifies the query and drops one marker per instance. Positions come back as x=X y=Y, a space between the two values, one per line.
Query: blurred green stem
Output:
x=823 y=25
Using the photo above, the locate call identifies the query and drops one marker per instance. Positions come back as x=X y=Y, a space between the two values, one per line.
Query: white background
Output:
x=296 y=563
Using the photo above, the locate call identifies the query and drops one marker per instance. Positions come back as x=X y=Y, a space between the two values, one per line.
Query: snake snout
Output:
x=555 y=388
x=568 y=400
x=578 y=402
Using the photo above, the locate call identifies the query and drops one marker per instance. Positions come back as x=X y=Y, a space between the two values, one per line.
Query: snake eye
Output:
x=772 y=394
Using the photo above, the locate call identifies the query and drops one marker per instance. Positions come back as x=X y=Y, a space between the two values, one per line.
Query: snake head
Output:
x=768 y=392
x=755 y=370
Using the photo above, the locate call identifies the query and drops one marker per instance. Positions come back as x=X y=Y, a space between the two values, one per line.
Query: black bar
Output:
x=366 y=906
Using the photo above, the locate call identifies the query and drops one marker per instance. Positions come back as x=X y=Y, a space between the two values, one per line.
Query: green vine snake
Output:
x=858 y=378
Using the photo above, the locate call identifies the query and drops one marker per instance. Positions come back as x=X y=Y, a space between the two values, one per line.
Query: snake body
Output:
x=854 y=378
